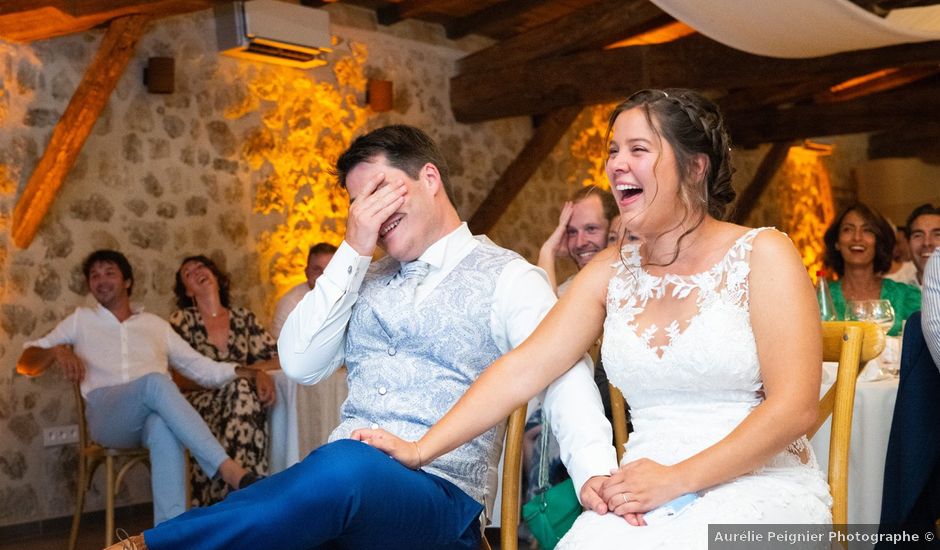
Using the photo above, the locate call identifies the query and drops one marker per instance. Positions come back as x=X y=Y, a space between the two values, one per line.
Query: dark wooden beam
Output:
x=411 y=9
x=910 y=140
x=115 y=51
x=546 y=136
x=876 y=82
x=769 y=166
x=593 y=27
x=695 y=62
x=479 y=21
x=871 y=113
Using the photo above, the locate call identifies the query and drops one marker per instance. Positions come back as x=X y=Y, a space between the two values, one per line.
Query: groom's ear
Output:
x=429 y=175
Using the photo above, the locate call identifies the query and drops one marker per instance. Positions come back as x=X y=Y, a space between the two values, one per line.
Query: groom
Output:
x=415 y=329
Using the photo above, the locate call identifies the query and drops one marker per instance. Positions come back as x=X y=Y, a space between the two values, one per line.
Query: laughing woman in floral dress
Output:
x=235 y=412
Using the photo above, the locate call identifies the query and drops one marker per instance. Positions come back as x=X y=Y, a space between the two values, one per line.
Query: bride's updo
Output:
x=692 y=125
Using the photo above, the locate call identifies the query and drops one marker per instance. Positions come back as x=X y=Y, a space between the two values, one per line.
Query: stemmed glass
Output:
x=880 y=312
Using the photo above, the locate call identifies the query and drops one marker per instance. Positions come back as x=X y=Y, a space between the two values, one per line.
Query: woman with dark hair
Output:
x=711 y=332
x=859 y=245
x=235 y=412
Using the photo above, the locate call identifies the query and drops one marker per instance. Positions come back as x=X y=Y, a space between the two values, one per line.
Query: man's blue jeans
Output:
x=151 y=412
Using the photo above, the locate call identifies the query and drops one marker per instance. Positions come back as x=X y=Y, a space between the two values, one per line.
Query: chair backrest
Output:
x=852 y=344
x=618 y=411
x=83 y=439
x=510 y=506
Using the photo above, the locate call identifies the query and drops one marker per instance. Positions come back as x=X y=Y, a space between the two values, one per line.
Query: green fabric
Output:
x=551 y=513
x=905 y=299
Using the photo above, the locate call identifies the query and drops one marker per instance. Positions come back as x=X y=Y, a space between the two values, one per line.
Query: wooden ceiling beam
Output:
x=871 y=113
x=695 y=62
x=910 y=140
x=544 y=139
x=592 y=27
x=478 y=22
x=411 y=9
x=115 y=51
x=30 y=21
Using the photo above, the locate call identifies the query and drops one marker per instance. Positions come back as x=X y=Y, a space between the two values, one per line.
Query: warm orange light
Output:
x=659 y=35
x=804 y=197
x=305 y=125
x=860 y=80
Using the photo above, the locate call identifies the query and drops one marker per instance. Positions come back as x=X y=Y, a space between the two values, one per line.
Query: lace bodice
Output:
x=692 y=380
x=708 y=351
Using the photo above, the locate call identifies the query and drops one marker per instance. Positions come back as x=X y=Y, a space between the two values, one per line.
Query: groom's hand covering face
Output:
x=373 y=204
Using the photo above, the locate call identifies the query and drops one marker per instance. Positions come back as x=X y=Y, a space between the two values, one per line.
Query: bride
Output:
x=711 y=332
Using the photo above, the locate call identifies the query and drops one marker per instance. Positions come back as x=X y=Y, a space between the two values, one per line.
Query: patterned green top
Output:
x=905 y=299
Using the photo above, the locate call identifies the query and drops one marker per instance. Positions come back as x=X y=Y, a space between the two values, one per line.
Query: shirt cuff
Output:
x=347 y=268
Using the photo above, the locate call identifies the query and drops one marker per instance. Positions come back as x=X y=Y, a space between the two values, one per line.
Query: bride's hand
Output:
x=638 y=487
x=405 y=452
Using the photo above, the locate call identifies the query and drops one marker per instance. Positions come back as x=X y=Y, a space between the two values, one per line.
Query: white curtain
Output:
x=802 y=28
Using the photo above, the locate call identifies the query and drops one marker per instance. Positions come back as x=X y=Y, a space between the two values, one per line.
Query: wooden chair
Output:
x=852 y=344
x=848 y=342
x=90 y=456
x=510 y=507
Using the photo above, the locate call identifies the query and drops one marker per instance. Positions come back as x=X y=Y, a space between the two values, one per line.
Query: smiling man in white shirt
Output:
x=415 y=329
x=119 y=355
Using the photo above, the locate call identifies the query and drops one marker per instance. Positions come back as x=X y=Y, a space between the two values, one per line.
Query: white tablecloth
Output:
x=302 y=417
x=871 y=425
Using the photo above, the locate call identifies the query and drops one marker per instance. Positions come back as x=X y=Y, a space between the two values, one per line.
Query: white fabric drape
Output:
x=802 y=28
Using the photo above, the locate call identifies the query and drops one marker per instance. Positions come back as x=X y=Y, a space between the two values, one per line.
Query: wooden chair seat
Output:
x=91 y=455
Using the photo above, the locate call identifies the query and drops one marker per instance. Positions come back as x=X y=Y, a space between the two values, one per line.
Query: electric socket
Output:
x=60 y=435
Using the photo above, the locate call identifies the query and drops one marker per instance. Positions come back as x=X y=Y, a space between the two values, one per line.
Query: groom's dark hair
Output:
x=404 y=147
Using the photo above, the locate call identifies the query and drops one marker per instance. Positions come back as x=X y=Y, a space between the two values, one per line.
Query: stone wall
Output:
x=231 y=165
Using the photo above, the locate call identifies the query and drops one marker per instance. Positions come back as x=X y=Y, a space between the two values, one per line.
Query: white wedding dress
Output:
x=689 y=383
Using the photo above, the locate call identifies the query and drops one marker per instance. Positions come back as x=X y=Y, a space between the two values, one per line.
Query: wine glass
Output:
x=880 y=312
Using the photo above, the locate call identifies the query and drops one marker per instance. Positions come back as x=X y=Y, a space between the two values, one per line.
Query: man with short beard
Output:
x=582 y=231
x=923 y=236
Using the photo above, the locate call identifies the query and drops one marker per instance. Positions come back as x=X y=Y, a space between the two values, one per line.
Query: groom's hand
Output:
x=590 y=495
x=370 y=209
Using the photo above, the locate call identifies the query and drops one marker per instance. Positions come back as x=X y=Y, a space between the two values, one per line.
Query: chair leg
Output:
x=109 y=502
x=81 y=486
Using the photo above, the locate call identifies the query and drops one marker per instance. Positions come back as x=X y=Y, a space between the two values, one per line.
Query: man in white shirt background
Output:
x=414 y=329
x=316 y=407
x=119 y=356
x=923 y=234
x=318 y=257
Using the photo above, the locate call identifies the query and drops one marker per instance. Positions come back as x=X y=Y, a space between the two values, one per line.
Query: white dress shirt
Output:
x=285 y=305
x=312 y=341
x=930 y=305
x=116 y=353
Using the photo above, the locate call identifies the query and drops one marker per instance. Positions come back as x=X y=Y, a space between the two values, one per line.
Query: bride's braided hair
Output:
x=693 y=125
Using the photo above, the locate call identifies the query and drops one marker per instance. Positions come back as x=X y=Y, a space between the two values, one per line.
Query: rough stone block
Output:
x=133 y=149
x=48 y=285
x=16 y=319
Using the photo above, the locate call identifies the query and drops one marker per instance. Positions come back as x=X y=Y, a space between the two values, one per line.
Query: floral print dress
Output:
x=234 y=412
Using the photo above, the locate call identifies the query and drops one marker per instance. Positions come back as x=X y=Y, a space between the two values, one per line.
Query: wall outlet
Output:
x=60 y=435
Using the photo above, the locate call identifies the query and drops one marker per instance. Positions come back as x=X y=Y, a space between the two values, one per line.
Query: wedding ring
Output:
x=624 y=497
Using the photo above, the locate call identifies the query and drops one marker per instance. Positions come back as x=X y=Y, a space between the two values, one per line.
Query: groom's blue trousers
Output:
x=345 y=494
